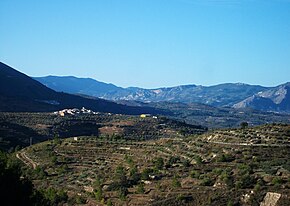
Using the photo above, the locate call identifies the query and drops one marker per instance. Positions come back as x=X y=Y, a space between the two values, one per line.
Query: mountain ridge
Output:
x=236 y=95
x=276 y=99
x=21 y=93
x=226 y=94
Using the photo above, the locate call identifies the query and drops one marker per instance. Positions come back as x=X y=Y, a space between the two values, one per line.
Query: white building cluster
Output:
x=74 y=111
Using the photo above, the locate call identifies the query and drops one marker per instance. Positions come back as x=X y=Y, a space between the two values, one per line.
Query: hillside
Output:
x=18 y=129
x=168 y=171
x=20 y=93
x=276 y=99
x=218 y=95
x=269 y=134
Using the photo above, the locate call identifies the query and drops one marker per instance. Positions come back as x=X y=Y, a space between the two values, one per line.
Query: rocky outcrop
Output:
x=276 y=100
x=270 y=199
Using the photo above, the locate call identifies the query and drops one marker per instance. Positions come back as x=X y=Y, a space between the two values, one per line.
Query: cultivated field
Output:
x=225 y=167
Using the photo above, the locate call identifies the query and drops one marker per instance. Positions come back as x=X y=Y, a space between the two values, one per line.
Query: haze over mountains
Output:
x=236 y=95
x=21 y=93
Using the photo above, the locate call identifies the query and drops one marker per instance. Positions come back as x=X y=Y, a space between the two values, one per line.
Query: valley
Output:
x=74 y=149
x=145 y=103
x=215 y=117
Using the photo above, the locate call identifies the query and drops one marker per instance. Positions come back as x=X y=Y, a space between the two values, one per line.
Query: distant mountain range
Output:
x=21 y=93
x=236 y=95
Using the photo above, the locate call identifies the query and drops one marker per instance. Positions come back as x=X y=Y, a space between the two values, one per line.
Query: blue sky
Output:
x=149 y=43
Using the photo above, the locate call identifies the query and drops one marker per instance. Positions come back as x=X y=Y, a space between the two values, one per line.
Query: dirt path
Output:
x=250 y=144
x=26 y=160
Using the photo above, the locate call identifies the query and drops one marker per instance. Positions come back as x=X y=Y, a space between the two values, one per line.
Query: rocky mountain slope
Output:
x=276 y=99
x=218 y=95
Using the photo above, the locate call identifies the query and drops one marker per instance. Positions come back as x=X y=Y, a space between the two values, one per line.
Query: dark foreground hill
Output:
x=20 y=93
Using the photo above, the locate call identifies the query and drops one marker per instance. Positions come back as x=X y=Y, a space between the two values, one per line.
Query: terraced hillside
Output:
x=270 y=134
x=21 y=128
x=167 y=171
